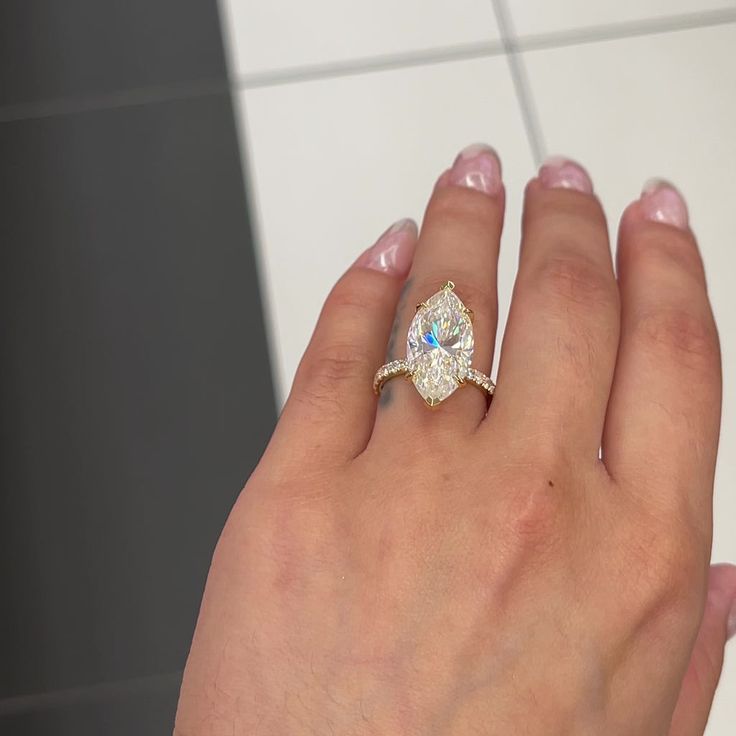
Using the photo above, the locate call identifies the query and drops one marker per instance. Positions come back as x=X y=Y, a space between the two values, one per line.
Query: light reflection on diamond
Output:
x=439 y=346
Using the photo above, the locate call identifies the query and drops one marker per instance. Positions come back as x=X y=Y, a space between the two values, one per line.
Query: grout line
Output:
x=146 y=95
x=626 y=29
x=521 y=82
x=112 y=101
x=510 y=45
x=366 y=65
x=101 y=691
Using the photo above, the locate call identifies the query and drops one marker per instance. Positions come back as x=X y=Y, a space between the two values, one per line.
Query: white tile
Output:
x=334 y=162
x=662 y=106
x=265 y=35
x=532 y=17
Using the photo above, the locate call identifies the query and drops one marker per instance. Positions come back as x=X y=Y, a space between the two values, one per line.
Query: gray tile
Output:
x=136 y=395
x=83 y=48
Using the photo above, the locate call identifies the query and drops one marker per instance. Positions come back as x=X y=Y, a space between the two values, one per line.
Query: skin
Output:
x=390 y=569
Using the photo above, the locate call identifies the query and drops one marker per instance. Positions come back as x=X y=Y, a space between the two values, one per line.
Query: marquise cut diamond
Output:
x=439 y=346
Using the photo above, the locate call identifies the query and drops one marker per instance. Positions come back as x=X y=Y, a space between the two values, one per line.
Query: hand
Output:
x=395 y=569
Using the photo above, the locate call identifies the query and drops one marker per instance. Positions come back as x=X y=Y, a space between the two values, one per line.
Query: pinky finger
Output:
x=704 y=670
x=331 y=406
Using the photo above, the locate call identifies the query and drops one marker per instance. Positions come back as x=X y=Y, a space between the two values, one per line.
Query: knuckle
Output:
x=668 y=569
x=286 y=533
x=554 y=210
x=339 y=362
x=534 y=516
x=574 y=280
x=654 y=251
x=329 y=367
x=337 y=355
x=357 y=291
x=687 y=338
x=462 y=204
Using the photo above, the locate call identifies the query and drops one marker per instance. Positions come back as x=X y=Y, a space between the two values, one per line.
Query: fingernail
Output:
x=722 y=594
x=731 y=631
x=477 y=167
x=561 y=173
x=393 y=251
x=661 y=202
x=443 y=180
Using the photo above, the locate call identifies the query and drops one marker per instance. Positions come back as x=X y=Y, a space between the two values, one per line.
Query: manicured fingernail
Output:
x=477 y=167
x=661 y=202
x=443 y=180
x=722 y=595
x=393 y=251
x=731 y=631
x=561 y=173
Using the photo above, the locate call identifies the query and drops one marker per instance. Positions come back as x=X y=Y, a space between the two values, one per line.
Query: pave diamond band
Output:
x=481 y=380
x=398 y=368
x=394 y=369
x=439 y=349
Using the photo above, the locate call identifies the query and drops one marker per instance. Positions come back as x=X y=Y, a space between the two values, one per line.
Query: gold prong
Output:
x=460 y=381
x=421 y=305
x=470 y=313
x=449 y=285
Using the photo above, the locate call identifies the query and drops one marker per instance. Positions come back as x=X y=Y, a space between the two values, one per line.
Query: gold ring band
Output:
x=400 y=368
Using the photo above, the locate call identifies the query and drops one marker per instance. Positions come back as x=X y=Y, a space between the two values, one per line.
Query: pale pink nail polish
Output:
x=722 y=594
x=661 y=202
x=393 y=251
x=477 y=167
x=731 y=631
x=561 y=173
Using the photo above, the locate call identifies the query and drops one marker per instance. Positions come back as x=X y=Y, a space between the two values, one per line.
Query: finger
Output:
x=332 y=405
x=701 y=679
x=560 y=343
x=662 y=426
x=459 y=243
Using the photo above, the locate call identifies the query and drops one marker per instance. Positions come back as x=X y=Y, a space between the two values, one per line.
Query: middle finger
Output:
x=559 y=348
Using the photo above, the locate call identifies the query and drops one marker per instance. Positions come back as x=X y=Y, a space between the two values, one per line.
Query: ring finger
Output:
x=459 y=242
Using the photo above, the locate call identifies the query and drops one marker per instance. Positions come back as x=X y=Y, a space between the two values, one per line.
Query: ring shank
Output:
x=386 y=372
x=397 y=368
x=481 y=380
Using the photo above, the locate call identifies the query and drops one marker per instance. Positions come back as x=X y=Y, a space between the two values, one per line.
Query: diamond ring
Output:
x=439 y=349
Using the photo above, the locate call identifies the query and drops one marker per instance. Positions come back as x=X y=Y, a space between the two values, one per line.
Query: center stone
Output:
x=439 y=346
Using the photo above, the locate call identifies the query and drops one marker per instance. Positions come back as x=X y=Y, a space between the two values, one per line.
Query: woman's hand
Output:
x=395 y=569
